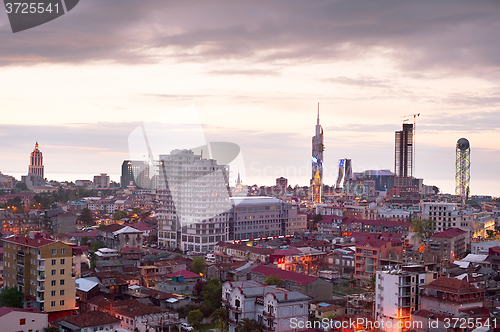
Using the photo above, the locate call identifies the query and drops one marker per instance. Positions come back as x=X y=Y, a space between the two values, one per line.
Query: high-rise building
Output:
x=101 y=181
x=316 y=185
x=403 y=158
x=137 y=172
x=194 y=201
x=345 y=171
x=41 y=269
x=282 y=183
x=36 y=162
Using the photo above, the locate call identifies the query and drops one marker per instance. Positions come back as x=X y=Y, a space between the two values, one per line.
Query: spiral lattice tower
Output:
x=462 y=172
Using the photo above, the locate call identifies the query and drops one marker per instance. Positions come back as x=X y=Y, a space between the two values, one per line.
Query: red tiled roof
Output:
x=141 y=226
x=311 y=243
x=374 y=243
x=93 y=318
x=129 y=249
x=111 y=228
x=287 y=252
x=29 y=242
x=449 y=233
x=183 y=273
x=5 y=310
x=452 y=285
x=299 y=278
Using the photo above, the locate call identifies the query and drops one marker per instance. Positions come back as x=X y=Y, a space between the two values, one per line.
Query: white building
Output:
x=194 y=201
x=397 y=294
x=449 y=215
x=393 y=214
x=482 y=248
x=17 y=319
x=276 y=309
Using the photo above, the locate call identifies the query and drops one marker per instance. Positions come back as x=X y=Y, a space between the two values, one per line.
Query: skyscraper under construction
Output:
x=316 y=185
x=403 y=159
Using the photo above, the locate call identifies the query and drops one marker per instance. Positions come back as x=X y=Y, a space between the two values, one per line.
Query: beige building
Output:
x=41 y=268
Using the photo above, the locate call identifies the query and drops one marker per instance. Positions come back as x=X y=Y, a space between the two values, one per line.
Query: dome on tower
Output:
x=463 y=144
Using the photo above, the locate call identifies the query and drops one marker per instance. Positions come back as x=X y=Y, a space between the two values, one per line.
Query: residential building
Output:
x=7 y=182
x=272 y=307
x=41 y=269
x=17 y=319
x=316 y=288
x=101 y=181
x=448 y=245
x=61 y=222
x=372 y=254
x=194 y=201
x=449 y=215
x=180 y=282
x=321 y=310
x=397 y=293
x=403 y=156
x=117 y=236
x=90 y=321
x=447 y=298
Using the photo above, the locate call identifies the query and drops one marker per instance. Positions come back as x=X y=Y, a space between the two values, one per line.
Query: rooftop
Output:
x=299 y=278
x=449 y=233
x=93 y=318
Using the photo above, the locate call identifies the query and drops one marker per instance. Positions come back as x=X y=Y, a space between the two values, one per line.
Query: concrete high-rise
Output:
x=194 y=201
x=137 y=172
x=403 y=157
x=316 y=185
x=36 y=162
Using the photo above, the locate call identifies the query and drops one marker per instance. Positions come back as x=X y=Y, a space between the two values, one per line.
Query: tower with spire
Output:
x=36 y=162
x=316 y=184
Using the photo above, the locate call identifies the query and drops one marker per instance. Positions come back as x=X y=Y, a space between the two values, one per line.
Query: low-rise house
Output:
x=89 y=322
x=321 y=310
x=275 y=309
x=180 y=282
x=17 y=319
x=316 y=288
x=448 y=245
x=86 y=289
x=131 y=253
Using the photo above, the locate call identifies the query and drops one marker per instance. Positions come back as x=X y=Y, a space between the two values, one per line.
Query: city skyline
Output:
x=256 y=77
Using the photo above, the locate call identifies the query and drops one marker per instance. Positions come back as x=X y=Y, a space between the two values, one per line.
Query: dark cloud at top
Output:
x=450 y=34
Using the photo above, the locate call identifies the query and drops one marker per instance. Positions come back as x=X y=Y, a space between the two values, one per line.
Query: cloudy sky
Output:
x=255 y=71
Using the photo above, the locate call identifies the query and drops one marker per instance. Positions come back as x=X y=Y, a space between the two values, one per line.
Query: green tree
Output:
x=51 y=329
x=198 y=265
x=212 y=293
x=195 y=317
x=136 y=210
x=119 y=215
x=86 y=217
x=220 y=317
x=97 y=245
x=248 y=325
x=11 y=297
x=21 y=186
x=84 y=241
x=274 y=280
x=422 y=229
x=373 y=279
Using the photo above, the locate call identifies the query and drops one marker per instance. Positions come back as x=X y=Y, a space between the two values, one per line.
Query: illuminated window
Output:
x=22 y=321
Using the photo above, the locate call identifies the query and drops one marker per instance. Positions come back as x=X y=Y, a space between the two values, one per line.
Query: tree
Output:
x=248 y=325
x=119 y=215
x=198 y=287
x=21 y=186
x=491 y=234
x=423 y=228
x=97 y=245
x=195 y=317
x=212 y=293
x=86 y=217
x=84 y=241
x=51 y=329
x=198 y=265
x=220 y=317
x=373 y=280
x=11 y=297
x=273 y=280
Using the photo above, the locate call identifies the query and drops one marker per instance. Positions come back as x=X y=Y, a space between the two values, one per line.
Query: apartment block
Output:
x=41 y=268
x=449 y=215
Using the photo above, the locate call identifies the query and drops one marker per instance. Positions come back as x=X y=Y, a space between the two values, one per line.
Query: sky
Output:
x=254 y=72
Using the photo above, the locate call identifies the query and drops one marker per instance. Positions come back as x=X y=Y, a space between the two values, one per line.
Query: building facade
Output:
x=316 y=185
x=101 y=181
x=42 y=270
x=135 y=172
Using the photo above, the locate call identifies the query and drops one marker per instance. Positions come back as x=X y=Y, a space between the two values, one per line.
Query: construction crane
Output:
x=407 y=118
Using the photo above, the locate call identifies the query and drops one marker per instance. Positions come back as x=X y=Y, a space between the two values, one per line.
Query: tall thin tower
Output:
x=316 y=185
x=403 y=156
x=36 y=162
x=462 y=172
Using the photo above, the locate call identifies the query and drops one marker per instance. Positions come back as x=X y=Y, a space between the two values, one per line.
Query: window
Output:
x=54 y=251
x=61 y=292
x=61 y=302
x=61 y=282
x=62 y=271
x=62 y=261
x=53 y=303
x=63 y=251
x=54 y=262
x=53 y=293
x=53 y=283
x=53 y=272
x=22 y=321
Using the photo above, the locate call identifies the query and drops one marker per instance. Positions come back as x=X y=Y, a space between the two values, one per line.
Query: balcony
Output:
x=40 y=277
x=236 y=309
x=40 y=299
x=40 y=288
x=40 y=267
x=268 y=314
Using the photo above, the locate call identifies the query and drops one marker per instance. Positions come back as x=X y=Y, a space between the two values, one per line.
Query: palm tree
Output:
x=248 y=325
x=221 y=317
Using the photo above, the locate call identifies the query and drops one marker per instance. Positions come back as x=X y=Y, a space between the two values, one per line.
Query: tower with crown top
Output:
x=36 y=162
